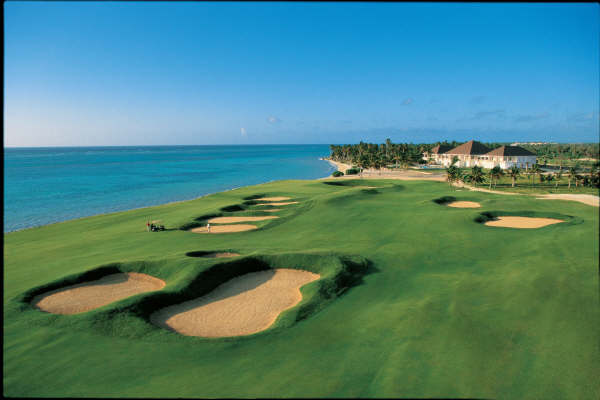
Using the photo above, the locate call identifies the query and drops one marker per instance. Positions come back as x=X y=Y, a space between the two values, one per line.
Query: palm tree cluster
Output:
x=453 y=174
x=564 y=151
x=371 y=155
x=475 y=176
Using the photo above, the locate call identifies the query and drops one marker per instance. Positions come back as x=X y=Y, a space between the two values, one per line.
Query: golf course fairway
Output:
x=414 y=299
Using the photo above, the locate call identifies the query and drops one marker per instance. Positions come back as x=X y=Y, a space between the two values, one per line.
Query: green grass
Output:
x=417 y=299
x=527 y=184
x=523 y=185
x=568 y=162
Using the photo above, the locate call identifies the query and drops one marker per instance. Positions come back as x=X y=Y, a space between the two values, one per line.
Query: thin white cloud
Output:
x=407 y=101
x=273 y=120
x=243 y=132
x=531 y=117
x=580 y=117
x=485 y=114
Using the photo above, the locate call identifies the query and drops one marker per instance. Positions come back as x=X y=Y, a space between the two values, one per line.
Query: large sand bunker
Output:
x=522 y=222
x=280 y=198
x=464 y=204
x=243 y=305
x=93 y=294
x=277 y=204
x=225 y=220
x=225 y=228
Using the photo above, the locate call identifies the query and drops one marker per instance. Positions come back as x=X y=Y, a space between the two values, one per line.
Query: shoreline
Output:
x=386 y=173
x=588 y=199
x=155 y=205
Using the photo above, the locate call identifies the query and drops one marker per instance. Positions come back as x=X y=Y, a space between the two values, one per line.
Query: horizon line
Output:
x=273 y=144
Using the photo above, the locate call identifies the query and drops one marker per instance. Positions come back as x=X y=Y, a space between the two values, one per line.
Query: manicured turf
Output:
x=437 y=304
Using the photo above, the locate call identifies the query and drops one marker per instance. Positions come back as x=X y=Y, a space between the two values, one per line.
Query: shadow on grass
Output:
x=210 y=254
x=444 y=200
x=255 y=196
x=233 y=208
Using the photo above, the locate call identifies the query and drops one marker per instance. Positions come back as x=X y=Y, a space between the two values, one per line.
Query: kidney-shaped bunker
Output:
x=243 y=305
x=87 y=296
x=522 y=222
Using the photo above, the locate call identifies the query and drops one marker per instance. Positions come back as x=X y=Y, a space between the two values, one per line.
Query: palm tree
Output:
x=514 y=172
x=550 y=177
x=495 y=174
x=377 y=164
x=476 y=175
x=363 y=162
x=558 y=177
x=454 y=160
x=535 y=170
x=451 y=174
x=572 y=173
x=404 y=159
x=595 y=175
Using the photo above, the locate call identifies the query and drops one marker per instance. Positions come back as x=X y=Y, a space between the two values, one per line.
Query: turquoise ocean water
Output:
x=47 y=185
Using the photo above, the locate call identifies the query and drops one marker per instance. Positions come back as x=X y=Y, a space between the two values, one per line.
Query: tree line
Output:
x=476 y=175
x=372 y=155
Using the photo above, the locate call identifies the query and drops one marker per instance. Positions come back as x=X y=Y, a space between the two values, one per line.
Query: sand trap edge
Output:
x=518 y=222
x=54 y=300
x=236 y=294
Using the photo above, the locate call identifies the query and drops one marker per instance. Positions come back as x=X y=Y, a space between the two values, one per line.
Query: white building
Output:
x=434 y=153
x=474 y=153
x=469 y=154
x=507 y=156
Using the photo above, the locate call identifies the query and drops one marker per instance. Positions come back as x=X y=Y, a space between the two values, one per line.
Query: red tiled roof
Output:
x=510 y=151
x=471 y=147
x=440 y=149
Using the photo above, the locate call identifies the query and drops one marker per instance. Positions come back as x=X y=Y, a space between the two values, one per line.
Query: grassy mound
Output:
x=456 y=309
x=130 y=317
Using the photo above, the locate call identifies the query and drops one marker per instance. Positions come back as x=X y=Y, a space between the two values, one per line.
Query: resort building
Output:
x=474 y=153
x=507 y=156
x=436 y=151
x=469 y=154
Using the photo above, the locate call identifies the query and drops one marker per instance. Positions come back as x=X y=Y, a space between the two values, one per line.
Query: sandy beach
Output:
x=386 y=173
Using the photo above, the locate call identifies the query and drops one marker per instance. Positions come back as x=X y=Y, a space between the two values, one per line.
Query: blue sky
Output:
x=111 y=73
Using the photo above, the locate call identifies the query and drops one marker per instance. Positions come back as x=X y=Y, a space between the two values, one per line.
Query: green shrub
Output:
x=337 y=173
x=352 y=171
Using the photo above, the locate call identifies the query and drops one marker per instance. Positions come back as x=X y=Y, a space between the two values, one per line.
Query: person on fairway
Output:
x=208 y=227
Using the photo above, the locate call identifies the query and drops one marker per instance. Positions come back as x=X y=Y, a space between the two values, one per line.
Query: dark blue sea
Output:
x=47 y=185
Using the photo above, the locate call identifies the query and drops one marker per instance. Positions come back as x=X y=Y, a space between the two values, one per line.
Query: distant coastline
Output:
x=51 y=185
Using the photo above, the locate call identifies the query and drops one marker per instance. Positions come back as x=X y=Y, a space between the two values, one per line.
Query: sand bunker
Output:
x=241 y=306
x=464 y=204
x=93 y=294
x=277 y=204
x=225 y=228
x=522 y=222
x=225 y=220
x=588 y=199
x=272 y=210
x=280 y=198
